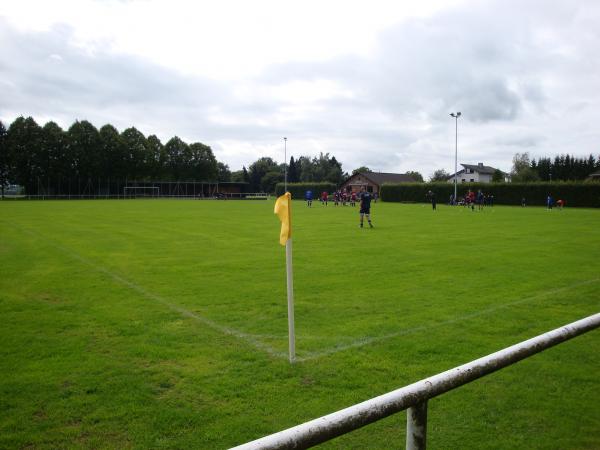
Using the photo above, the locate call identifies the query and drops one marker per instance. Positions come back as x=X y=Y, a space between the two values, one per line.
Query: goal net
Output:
x=141 y=191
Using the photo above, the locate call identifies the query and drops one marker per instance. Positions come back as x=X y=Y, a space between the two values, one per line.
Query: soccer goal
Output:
x=141 y=191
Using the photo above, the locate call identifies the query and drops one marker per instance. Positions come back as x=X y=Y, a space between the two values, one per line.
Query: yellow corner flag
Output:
x=283 y=209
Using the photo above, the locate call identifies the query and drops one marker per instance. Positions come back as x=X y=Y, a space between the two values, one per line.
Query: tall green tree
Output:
x=416 y=176
x=293 y=171
x=54 y=150
x=334 y=172
x=24 y=138
x=361 y=169
x=544 y=168
x=223 y=172
x=326 y=168
x=521 y=170
x=497 y=176
x=5 y=160
x=84 y=148
x=176 y=151
x=258 y=170
x=113 y=154
x=158 y=158
x=137 y=154
x=439 y=175
x=202 y=164
x=270 y=179
x=307 y=169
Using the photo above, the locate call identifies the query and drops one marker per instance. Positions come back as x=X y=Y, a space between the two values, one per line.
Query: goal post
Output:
x=141 y=191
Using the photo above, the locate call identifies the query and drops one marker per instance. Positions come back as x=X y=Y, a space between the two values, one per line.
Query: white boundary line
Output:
x=369 y=340
x=248 y=338
x=253 y=339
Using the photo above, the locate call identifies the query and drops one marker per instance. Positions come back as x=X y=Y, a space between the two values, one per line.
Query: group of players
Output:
x=347 y=198
x=471 y=199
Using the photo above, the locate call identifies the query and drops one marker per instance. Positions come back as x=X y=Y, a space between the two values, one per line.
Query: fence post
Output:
x=416 y=426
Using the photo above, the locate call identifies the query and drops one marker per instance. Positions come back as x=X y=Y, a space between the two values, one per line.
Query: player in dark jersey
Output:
x=365 y=207
x=309 y=198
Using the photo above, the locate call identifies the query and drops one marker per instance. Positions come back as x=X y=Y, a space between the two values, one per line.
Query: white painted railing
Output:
x=414 y=396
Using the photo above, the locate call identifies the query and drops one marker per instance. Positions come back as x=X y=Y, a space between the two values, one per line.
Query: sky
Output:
x=372 y=83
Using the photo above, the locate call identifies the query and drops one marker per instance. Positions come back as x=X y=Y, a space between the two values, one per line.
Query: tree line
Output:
x=265 y=173
x=30 y=153
x=526 y=170
x=560 y=168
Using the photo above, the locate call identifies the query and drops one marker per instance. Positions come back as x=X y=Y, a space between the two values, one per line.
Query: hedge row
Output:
x=299 y=189
x=573 y=193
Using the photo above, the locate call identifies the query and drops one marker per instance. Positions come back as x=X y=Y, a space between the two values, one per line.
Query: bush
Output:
x=298 y=189
x=573 y=193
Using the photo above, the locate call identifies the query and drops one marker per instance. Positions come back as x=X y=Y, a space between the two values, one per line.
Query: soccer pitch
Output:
x=163 y=323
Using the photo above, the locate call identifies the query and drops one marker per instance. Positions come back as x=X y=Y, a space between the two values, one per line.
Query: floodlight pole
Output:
x=284 y=164
x=456 y=116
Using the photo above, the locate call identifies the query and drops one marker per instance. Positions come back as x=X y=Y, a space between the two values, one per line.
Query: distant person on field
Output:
x=431 y=196
x=309 y=198
x=560 y=203
x=471 y=197
x=479 y=199
x=523 y=202
x=375 y=196
x=549 y=201
x=353 y=199
x=324 y=197
x=365 y=207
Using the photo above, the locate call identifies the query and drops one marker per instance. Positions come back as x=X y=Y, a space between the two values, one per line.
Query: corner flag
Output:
x=283 y=209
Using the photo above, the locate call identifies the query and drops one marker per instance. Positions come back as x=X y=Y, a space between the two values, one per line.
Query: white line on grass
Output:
x=248 y=338
x=252 y=339
x=370 y=340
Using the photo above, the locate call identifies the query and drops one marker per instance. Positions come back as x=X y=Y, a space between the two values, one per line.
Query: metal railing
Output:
x=414 y=396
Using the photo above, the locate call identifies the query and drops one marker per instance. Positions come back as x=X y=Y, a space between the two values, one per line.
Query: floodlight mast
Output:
x=456 y=116
x=284 y=165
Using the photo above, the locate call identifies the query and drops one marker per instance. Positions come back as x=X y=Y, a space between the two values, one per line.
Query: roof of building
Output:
x=380 y=177
x=480 y=168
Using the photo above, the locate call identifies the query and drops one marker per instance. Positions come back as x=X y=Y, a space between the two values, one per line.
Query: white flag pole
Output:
x=290 y=298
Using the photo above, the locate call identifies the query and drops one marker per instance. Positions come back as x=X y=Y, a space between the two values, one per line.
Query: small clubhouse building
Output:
x=372 y=181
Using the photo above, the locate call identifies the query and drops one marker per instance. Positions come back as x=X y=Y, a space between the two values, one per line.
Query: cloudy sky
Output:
x=372 y=83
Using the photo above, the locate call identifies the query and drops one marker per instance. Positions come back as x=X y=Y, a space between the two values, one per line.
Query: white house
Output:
x=475 y=174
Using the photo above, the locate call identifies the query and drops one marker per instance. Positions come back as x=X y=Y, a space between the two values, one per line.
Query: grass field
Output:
x=163 y=323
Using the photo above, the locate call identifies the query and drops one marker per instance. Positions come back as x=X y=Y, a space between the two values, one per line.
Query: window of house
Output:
x=472 y=179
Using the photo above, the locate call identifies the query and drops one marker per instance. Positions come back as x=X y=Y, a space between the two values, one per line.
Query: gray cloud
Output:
x=524 y=75
x=52 y=78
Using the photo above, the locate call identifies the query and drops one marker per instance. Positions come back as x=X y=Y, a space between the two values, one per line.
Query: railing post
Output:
x=416 y=426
